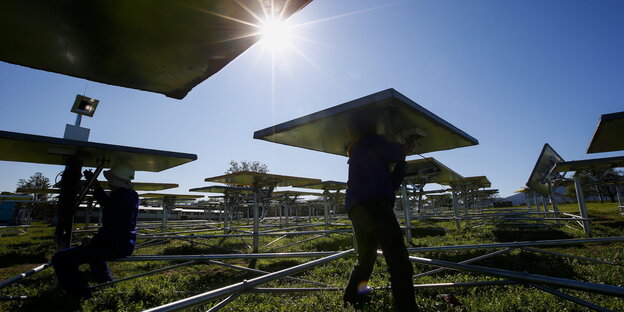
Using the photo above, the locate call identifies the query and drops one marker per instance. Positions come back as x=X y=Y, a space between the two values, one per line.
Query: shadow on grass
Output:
x=332 y=243
x=196 y=249
x=48 y=300
x=502 y=234
x=524 y=261
x=428 y=231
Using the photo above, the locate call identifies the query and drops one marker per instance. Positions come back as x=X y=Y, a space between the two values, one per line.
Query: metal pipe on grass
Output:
x=244 y=285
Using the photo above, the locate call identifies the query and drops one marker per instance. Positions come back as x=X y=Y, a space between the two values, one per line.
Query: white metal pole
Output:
x=456 y=209
x=256 y=220
x=406 y=210
x=581 y=203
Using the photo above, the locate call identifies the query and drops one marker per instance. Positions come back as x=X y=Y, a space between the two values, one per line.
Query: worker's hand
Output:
x=88 y=174
x=409 y=144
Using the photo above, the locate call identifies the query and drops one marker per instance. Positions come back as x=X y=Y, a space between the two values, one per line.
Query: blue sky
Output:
x=513 y=74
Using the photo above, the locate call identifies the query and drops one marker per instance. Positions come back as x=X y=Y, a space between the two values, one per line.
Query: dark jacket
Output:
x=119 y=217
x=370 y=174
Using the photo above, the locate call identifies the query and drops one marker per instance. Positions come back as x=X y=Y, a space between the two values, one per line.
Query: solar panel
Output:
x=431 y=170
x=608 y=134
x=175 y=196
x=294 y=193
x=538 y=180
x=161 y=46
x=54 y=151
x=325 y=185
x=248 y=178
x=387 y=113
x=221 y=189
x=474 y=182
x=137 y=186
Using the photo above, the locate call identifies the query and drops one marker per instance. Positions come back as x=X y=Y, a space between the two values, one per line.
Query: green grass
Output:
x=21 y=252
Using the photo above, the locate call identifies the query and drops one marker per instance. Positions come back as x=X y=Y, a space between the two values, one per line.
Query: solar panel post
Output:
x=456 y=209
x=256 y=225
x=407 y=211
x=87 y=219
x=553 y=200
x=581 y=203
x=326 y=209
x=618 y=192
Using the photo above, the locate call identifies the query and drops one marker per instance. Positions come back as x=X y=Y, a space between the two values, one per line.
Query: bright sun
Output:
x=276 y=34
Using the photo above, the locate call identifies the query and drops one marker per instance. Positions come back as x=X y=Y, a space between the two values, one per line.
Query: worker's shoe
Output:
x=358 y=300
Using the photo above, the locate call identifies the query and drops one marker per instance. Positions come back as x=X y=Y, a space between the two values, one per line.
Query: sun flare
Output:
x=276 y=34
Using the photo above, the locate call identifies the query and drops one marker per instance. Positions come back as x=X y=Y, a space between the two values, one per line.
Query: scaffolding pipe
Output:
x=465 y=262
x=226 y=256
x=526 y=278
x=571 y=298
x=569 y=256
x=244 y=285
x=554 y=242
x=223 y=303
x=20 y=276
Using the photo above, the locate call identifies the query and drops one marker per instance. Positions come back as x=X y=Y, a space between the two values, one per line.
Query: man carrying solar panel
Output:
x=115 y=239
x=369 y=203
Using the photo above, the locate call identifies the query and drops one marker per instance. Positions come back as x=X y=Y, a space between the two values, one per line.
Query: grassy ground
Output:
x=21 y=252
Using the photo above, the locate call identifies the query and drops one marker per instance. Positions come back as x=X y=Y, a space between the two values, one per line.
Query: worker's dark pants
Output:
x=375 y=225
x=66 y=264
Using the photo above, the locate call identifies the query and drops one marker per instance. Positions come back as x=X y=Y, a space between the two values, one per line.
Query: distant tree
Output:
x=598 y=183
x=36 y=181
x=244 y=165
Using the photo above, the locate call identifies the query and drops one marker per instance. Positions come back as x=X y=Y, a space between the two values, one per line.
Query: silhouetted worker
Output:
x=115 y=239
x=369 y=203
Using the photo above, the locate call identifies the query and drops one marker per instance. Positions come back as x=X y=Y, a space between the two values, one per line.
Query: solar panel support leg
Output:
x=326 y=211
x=618 y=192
x=581 y=203
x=407 y=211
x=456 y=210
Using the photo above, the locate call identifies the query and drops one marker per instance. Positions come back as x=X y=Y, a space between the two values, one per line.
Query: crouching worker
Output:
x=114 y=240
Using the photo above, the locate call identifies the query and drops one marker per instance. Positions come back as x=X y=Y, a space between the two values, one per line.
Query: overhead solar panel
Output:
x=248 y=178
x=387 y=113
x=176 y=196
x=473 y=182
x=538 y=180
x=325 y=185
x=222 y=189
x=294 y=193
x=161 y=46
x=430 y=170
x=609 y=135
x=54 y=151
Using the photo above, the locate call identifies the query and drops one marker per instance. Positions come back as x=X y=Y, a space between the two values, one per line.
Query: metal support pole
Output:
x=168 y=202
x=537 y=206
x=256 y=222
x=456 y=209
x=20 y=276
x=406 y=209
x=465 y=196
x=326 y=207
x=618 y=191
x=244 y=285
x=580 y=198
x=553 y=200
x=570 y=298
x=88 y=213
x=526 y=277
